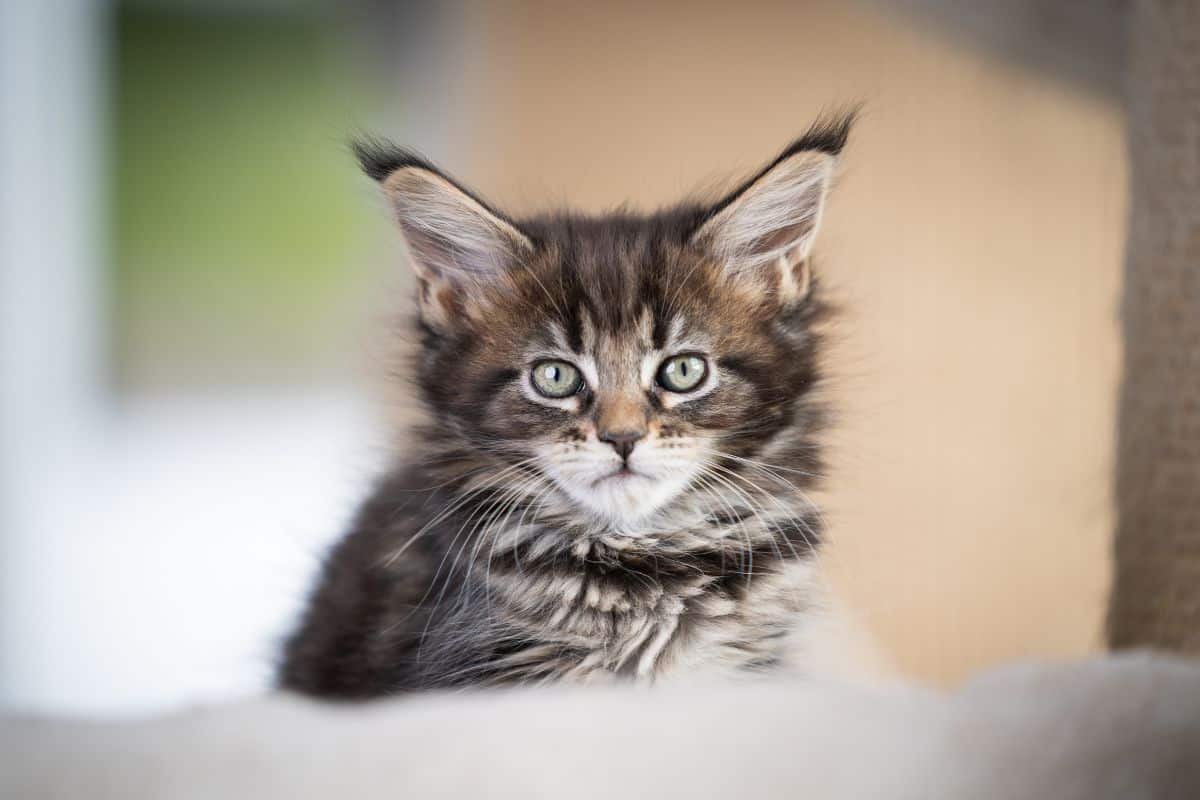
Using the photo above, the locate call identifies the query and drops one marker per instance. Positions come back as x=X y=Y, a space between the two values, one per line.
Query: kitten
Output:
x=623 y=427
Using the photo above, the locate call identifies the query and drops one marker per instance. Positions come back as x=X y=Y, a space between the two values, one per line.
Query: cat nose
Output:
x=622 y=441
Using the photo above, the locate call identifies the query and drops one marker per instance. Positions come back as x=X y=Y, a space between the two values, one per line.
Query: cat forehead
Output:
x=634 y=280
x=620 y=275
x=647 y=331
x=606 y=254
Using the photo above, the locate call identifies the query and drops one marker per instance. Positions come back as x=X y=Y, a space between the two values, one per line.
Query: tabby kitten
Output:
x=623 y=427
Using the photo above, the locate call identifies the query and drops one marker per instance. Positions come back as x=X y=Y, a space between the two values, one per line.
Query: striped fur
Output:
x=513 y=544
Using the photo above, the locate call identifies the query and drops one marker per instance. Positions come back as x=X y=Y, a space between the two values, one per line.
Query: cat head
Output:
x=626 y=361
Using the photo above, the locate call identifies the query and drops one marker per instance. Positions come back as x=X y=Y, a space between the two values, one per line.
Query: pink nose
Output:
x=622 y=441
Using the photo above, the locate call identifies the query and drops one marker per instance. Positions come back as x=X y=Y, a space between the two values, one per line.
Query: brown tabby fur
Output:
x=470 y=565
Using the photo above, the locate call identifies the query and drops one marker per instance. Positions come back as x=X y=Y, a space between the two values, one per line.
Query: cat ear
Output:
x=459 y=245
x=764 y=231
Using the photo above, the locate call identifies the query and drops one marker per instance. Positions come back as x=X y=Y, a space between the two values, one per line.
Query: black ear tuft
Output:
x=379 y=158
x=827 y=135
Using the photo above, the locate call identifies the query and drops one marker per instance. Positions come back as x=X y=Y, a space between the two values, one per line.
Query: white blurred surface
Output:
x=1107 y=729
x=152 y=553
x=161 y=564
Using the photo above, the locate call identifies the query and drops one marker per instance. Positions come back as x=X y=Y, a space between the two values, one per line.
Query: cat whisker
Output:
x=487 y=511
x=454 y=506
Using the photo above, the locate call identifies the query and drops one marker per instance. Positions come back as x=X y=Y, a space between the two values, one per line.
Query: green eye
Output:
x=682 y=373
x=556 y=379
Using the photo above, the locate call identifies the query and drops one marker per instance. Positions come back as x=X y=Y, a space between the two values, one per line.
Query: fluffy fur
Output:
x=623 y=530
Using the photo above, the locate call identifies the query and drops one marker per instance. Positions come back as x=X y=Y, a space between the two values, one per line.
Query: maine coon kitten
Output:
x=623 y=427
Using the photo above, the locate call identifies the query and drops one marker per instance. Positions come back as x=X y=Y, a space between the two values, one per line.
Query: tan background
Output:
x=974 y=241
x=199 y=293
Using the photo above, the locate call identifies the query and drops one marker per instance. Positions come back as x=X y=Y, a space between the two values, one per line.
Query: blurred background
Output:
x=199 y=296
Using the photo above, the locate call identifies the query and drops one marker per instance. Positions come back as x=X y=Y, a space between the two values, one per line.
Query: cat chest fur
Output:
x=601 y=613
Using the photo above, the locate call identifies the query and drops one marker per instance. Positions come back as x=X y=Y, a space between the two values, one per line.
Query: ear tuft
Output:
x=379 y=158
x=828 y=134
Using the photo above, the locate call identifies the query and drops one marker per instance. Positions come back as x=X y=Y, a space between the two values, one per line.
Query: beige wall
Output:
x=974 y=241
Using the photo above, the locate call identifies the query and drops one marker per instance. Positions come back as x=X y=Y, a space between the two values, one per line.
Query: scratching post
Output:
x=1156 y=595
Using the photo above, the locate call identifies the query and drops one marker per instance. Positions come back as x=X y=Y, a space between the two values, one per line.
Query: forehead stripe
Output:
x=658 y=336
x=574 y=328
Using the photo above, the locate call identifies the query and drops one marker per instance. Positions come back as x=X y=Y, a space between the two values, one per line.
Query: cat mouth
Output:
x=621 y=474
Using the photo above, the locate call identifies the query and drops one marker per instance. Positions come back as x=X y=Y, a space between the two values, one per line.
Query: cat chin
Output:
x=626 y=500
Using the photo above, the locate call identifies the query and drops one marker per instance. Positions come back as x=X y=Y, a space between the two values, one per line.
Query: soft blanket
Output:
x=1118 y=727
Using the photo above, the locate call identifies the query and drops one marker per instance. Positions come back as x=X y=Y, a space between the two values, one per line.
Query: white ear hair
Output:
x=766 y=231
x=458 y=246
x=452 y=235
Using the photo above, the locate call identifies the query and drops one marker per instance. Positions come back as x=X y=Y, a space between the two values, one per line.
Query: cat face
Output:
x=638 y=425
x=622 y=362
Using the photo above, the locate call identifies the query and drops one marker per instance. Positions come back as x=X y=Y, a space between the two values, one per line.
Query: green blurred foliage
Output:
x=240 y=238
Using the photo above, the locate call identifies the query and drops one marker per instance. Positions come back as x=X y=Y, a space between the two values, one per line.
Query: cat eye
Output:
x=682 y=373
x=556 y=379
